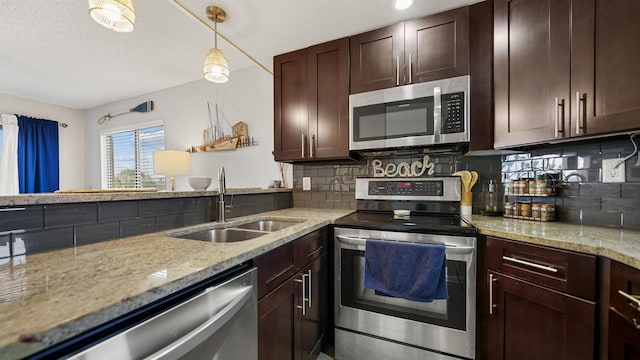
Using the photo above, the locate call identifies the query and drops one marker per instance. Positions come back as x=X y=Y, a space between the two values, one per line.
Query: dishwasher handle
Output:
x=186 y=343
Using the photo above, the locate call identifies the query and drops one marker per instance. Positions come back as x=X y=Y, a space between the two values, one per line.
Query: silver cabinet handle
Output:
x=304 y=294
x=559 y=117
x=410 y=67
x=310 y=287
x=313 y=145
x=183 y=345
x=303 y=140
x=398 y=70
x=633 y=298
x=528 y=263
x=491 y=304
x=580 y=112
x=12 y=209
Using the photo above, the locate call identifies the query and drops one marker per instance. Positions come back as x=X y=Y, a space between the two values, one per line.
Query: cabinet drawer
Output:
x=624 y=285
x=274 y=268
x=566 y=271
x=309 y=247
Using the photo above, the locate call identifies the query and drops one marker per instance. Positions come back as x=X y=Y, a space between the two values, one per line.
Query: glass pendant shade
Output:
x=216 y=68
x=117 y=15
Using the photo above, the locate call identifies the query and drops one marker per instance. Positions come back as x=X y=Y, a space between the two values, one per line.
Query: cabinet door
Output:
x=605 y=58
x=313 y=324
x=624 y=338
x=376 y=59
x=528 y=321
x=437 y=46
x=531 y=70
x=290 y=106
x=277 y=317
x=329 y=100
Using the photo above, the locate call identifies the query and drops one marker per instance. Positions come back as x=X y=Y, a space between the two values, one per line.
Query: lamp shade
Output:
x=171 y=162
x=117 y=15
x=216 y=68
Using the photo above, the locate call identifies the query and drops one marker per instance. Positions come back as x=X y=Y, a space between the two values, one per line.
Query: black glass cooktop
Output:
x=428 y=223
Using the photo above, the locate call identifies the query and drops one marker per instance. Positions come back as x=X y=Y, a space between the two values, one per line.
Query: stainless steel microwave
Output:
x=423 y=114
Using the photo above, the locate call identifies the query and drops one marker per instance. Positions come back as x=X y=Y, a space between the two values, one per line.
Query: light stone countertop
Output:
x=52 y=296
x=62 y=198
x=617 y=244
x=55 y=295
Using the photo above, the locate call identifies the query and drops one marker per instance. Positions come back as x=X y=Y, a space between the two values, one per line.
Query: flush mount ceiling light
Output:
x=402 y=4
x=216 y=67
x=117 y=15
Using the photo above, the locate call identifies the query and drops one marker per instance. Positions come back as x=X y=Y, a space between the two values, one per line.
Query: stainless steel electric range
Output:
x=370 y=326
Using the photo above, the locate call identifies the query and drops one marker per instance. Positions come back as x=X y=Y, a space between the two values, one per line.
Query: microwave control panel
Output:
x=452 y=113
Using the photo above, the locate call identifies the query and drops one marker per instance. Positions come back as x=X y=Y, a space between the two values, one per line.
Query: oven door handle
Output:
x=349 y=240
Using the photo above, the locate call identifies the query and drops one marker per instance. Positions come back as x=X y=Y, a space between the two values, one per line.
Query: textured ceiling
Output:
x=52 y=51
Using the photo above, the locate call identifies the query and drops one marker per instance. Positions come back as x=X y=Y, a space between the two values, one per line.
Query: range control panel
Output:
x=432 y=188
x=406 y=188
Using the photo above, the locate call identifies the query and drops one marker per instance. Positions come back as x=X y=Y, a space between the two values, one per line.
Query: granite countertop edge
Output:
x=62 y=198
x=621 y=245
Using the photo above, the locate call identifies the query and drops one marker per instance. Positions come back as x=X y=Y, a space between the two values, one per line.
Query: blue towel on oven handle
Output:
x=406 y=270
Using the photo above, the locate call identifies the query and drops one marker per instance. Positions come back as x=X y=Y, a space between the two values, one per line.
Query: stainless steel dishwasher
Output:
x=219 y=323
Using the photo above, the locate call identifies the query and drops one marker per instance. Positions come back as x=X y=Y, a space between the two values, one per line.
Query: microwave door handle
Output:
x=437 y=112
x=398 y=70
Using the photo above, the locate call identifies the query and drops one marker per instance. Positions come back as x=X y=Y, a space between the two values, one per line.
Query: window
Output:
x=128 y=157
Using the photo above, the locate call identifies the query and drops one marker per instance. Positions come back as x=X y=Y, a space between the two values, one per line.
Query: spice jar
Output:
x=508 y=208
x=541 y=186
x=508 y=187
x=524 y=187
x=535 y=211
x=532 y=186
x=525 y=210
x=515 y=209
x=548 y=212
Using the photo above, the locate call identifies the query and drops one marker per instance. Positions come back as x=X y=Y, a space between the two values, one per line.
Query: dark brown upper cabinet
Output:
x=425 y=49
x=565 y=69
x=311 y=103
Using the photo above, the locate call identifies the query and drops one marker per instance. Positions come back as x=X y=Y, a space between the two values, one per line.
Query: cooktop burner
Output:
x=431 y=223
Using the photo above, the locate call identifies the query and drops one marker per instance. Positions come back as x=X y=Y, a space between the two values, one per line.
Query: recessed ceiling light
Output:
x=402 y=4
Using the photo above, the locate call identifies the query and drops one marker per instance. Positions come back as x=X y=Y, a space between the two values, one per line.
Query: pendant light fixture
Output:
x=117 y=15
x=216 y=68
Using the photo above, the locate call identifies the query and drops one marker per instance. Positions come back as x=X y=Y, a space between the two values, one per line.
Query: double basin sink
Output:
x=239 y=232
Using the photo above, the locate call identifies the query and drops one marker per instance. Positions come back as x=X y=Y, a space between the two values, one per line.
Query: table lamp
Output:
x=171 y=162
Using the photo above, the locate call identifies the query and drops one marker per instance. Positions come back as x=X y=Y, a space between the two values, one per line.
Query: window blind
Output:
x=129 y=158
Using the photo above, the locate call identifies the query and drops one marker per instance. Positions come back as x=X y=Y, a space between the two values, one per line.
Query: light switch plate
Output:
x=613 y=171
x=306 y=183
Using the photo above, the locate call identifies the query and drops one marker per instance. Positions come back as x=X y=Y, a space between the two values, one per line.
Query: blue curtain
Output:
x=38 y=155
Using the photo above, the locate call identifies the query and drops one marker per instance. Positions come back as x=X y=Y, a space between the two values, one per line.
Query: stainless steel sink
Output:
x=233 y=233
x=267 y=225
x=223 y=235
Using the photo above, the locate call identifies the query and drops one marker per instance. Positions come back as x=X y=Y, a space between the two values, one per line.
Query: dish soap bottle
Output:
x=491 y=201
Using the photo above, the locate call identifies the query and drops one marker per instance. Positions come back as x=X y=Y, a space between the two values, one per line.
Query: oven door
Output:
x=446 y=326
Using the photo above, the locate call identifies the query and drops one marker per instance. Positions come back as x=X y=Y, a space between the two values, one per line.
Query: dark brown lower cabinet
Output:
x=528 y=321
x=293 y=317
x=624 y=338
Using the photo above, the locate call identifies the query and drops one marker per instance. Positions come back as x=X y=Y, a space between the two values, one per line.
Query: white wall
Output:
x=248 y=97
x=71 y=138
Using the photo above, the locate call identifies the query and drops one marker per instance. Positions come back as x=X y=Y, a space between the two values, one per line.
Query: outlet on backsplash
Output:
x=613 y=170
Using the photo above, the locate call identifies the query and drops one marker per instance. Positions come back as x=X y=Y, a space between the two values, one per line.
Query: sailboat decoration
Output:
x=214 y=138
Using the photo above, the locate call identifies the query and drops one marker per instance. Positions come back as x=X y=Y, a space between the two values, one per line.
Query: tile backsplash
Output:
x=333 y=185
x=582 y=196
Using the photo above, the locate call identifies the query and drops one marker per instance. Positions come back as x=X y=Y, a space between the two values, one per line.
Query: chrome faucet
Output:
x=222 y=189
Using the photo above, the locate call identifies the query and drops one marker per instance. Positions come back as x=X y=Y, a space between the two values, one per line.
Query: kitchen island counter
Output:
x=49 y=297
x=621 y=245
x=89 y=195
